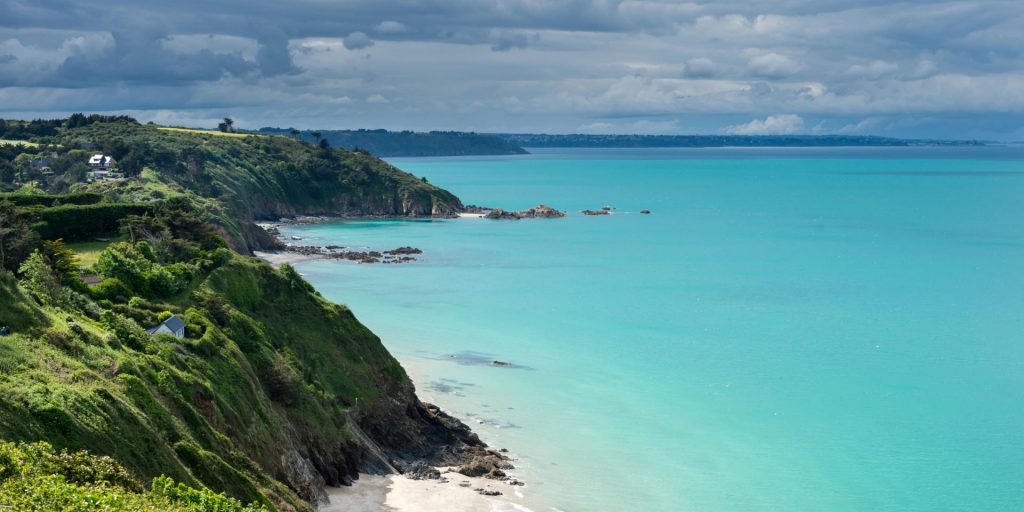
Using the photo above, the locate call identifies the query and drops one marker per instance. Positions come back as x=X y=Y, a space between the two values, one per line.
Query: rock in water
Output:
x=542 y=211
x=500 y=214
x=645 y=212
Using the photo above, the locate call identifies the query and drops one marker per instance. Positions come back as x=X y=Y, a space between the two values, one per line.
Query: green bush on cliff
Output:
x=235 y=180
x=35 y=477
x=268 y=368
x=266 y=392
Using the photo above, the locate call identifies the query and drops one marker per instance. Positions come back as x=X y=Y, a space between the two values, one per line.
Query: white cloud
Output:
x=874 y=70
x=771 y=125
x=773 y=65
x=390 y=27
x=357 y=41
x=699 y=67
x=377 y=98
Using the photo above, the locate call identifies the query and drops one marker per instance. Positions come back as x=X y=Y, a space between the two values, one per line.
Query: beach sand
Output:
x=471 y=215
x=396 y=493
x=276 y=259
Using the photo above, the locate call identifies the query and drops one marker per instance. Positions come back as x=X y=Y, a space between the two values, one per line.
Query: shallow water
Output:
x=790 y=330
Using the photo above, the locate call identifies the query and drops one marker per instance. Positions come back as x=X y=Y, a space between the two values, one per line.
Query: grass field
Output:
x=14 y=142
x=89 y=252
x=208 y=132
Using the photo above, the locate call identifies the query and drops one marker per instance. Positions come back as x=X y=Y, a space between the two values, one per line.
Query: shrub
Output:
x=127 y=331
x=111 y=289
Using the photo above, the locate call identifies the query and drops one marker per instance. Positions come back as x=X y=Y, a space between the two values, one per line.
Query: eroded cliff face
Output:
x=351 y=407
x=273 y=394
x=238 y=180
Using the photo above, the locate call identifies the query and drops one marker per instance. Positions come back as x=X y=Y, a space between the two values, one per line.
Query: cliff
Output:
x=272 y=393
x=236 y=179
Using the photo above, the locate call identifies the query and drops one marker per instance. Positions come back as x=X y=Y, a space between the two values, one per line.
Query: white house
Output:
x=101 y=168
x=173 y=326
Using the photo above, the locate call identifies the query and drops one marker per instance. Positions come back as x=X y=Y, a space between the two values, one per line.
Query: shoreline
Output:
x=397 y=493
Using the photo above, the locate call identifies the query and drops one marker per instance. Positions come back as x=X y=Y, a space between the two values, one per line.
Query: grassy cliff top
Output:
x=234 y=178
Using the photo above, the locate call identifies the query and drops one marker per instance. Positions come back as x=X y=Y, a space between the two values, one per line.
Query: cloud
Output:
x=457 y=64
x=503 y=40
x=390 y=27
x=771 y=125
x=377 y=98
x=699 y=67
x=773 y=65
x=357 y=41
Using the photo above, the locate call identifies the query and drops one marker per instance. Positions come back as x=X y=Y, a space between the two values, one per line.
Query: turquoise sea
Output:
x=789 y=330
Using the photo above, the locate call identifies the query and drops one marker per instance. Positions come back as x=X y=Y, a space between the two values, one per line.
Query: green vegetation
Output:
x=233 y=178
x=212 y=410
x=17 y=142
x=88 y=253
x=407 y=143
x=196 y=131
x=35 y=477
x=271 y=393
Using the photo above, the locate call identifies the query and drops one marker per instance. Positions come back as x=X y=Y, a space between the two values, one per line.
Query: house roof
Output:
x=100 y=160
x=174 y=323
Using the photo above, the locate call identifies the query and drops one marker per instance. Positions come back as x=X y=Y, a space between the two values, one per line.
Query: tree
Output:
x=17 y=238
x=229 y=123
x=7 y=171
x=39 y=279
x=61 y=260
x=222 y=127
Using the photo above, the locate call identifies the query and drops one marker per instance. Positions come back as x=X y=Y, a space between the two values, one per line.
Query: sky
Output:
x=930 y=69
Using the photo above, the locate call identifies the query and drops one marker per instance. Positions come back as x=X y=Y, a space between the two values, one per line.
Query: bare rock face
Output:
x=419 y=470
x=487 y=464
x=303 y=477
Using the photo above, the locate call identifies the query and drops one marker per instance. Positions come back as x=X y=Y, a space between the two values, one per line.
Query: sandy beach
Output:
x=279 y=258
x=471 y=215
x=396 y=493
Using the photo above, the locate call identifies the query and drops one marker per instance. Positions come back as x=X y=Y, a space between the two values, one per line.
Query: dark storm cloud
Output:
x=552 y=65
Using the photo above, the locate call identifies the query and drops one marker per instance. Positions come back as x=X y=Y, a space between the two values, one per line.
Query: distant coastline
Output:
x=531 y=140
x=405 y=143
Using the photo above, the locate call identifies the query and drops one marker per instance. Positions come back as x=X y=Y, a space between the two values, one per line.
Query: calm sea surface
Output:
x=790 y=330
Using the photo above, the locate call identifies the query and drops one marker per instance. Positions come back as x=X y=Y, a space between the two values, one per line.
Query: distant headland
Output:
x=387 y=143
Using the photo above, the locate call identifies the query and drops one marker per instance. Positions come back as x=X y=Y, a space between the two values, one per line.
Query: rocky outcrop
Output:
x=499 y=214
x=539 y=211
x=542 y=211
x=594 y=212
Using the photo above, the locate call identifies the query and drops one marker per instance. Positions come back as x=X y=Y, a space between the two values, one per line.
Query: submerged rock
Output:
x=404 y=250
